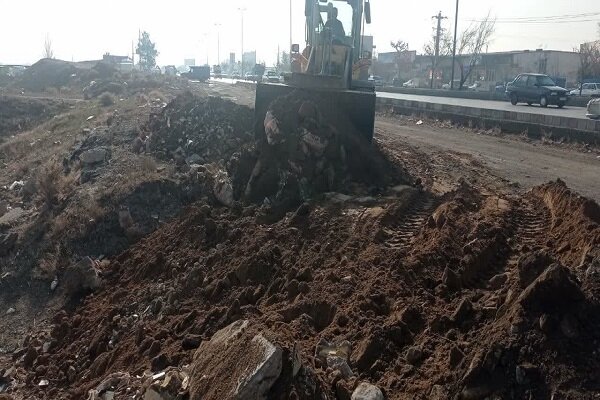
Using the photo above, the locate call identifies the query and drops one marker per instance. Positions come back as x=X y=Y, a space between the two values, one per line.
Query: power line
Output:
x=591 y=14
x=538 y=22
x=547 y=19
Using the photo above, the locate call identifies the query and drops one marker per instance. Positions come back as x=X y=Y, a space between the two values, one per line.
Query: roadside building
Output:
x=492 y=67
x=122 y=63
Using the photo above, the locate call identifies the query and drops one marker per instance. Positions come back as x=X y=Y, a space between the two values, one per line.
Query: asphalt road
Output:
x=568 y=111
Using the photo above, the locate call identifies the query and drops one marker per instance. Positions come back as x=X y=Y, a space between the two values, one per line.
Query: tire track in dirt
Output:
x=530 y=222
x=401 y=233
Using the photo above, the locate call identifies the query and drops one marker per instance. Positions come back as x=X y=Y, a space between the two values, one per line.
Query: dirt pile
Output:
x=444 y=312
x=308 y=148
x=302 y=155
x=19 y=114
x=47 y=73
x=200 y=130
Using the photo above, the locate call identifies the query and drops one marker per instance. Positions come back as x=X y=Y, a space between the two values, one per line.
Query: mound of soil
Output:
x=19 y=114
x=310 y=148
x=202 y=130
x=47 y=73
x=439 y=314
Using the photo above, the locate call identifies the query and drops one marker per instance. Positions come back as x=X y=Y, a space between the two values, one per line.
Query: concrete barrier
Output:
x=534 y=125
x=575 y=101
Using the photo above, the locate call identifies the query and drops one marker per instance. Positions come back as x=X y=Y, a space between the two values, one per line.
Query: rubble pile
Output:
x=196 y=130
x=296 y=265
x=308 y=149
x=47 y=73
x=218 y=305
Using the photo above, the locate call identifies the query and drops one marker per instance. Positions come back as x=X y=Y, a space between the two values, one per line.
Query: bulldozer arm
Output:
x=356 y=107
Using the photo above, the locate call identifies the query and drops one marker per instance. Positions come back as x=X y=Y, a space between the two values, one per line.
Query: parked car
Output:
x=593 y=109
x=500 y=87
x=272 y=77
x=377 y=80
x=475 y=86
x=587 y=89
x=536 y=88
x=410 y=84
x=448 y=86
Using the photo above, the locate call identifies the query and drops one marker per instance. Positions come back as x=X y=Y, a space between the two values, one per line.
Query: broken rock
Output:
x=93 y=156
x=555 y=288
x=81 y=276
x=366 y=391
x=235 y=364
x=531 y=265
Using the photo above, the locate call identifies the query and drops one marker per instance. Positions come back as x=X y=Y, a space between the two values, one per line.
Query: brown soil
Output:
x=471 y=292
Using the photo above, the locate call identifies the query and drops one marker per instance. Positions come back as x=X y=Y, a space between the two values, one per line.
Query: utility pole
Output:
x=438 y=34
x=206 y=44
x=454 y=45
x=218 y=26
x=290 y=48
x=242 y=9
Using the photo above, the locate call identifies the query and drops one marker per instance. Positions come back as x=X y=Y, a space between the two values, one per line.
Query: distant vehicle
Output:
x=217 y=71
x=377 y=80
x=272 y=77
x=587 y=89
x=447 y=86
x=536 y=88
x=410 y=84
x=500 y=87
x=593 y=109
x=249 y=76
x=199 y=73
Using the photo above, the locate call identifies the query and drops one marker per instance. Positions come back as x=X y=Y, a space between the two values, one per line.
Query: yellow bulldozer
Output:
x=334 y=65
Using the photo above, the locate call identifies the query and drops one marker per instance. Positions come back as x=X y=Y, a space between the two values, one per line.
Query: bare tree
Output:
x=445 y=50
x=589 y=58
x=445 y=46
x=48 y=51
x=401 y=47
x=471 y=44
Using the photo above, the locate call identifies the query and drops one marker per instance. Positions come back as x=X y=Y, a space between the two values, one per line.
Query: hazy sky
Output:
x=82 y=29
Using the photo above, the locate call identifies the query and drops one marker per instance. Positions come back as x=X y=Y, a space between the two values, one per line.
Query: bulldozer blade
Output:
x=356 y=107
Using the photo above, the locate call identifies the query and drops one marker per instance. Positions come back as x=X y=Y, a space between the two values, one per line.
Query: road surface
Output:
x=568 y=111
x=511 y=158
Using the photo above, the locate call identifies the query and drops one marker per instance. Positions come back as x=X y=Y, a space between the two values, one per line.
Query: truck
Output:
x=198 y=73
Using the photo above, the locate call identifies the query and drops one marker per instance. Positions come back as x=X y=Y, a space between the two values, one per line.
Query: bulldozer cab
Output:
x=333 y=66
x=334 y=45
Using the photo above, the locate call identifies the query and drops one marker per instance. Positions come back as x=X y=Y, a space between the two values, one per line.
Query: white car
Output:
x=593 y=109
x=587 y=89
x=409 y=84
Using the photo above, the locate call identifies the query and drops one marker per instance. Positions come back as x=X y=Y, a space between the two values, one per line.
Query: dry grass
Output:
x=148 y=164
x=54 y=187
x=76 y=220
x=51 y=263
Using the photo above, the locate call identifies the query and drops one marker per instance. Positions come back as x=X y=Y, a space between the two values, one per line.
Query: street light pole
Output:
x=206 y=44
x=290 y=48
x=454 y=45
x=218 y=26
x=242 y=9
